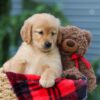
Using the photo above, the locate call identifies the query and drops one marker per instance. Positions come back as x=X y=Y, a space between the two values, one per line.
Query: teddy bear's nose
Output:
x=70 y=43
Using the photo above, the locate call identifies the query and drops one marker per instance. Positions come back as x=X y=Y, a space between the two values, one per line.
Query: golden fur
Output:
x=32 y=57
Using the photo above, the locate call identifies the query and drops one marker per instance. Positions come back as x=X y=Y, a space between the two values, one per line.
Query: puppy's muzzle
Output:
x=47 y=45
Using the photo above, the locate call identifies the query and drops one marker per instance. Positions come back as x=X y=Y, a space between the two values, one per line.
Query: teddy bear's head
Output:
x=74 y=40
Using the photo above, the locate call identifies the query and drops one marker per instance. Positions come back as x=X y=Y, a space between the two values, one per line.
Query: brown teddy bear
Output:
x=73 y=44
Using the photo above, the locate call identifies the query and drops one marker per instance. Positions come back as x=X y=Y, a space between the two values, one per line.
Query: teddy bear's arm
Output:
x=89 y=73
x=72 y=73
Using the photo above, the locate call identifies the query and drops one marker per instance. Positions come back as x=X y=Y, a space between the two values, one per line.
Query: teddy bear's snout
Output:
x=70 y=43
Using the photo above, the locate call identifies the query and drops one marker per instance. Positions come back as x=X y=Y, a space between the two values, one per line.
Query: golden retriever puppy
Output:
x=38 y=54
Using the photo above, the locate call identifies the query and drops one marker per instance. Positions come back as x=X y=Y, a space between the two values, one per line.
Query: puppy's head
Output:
x=41 y=31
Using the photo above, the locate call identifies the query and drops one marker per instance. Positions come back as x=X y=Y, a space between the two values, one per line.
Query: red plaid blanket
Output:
x=27 y=87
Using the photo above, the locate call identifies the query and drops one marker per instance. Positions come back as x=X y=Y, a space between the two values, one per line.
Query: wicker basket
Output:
x=6 y=91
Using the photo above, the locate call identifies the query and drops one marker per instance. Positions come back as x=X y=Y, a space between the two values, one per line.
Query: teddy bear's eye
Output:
x=74 y=38
x=74 y=33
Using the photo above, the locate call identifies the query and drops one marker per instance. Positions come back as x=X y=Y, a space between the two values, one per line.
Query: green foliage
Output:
x=10 y=26
x=96 y=93
x=39 y=7
x=4 y=7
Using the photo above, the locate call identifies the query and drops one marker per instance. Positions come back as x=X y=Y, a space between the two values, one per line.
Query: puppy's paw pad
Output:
x=46 y=83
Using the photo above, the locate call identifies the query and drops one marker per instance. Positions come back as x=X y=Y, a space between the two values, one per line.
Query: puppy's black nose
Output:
x=47 y=44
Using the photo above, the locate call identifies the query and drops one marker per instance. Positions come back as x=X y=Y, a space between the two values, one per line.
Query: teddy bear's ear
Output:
x=84 y=41
x=88 y=36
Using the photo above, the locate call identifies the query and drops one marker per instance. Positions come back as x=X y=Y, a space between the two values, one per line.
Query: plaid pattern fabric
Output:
x=27 y=87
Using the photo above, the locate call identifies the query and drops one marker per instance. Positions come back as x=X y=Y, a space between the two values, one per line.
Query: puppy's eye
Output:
x=41 y=32
x=53 y=33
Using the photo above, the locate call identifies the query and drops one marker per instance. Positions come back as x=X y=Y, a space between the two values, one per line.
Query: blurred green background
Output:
x=10 y=25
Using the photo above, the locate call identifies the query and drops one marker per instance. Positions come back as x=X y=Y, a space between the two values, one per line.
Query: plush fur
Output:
x=76 y=40
x=38 y=54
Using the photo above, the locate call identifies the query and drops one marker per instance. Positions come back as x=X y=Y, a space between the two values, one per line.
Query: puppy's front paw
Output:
x=46 y=83
x=6 y=67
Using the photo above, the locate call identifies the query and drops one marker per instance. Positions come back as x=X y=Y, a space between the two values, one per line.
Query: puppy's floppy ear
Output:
x=59 y=38
x=26 y=31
